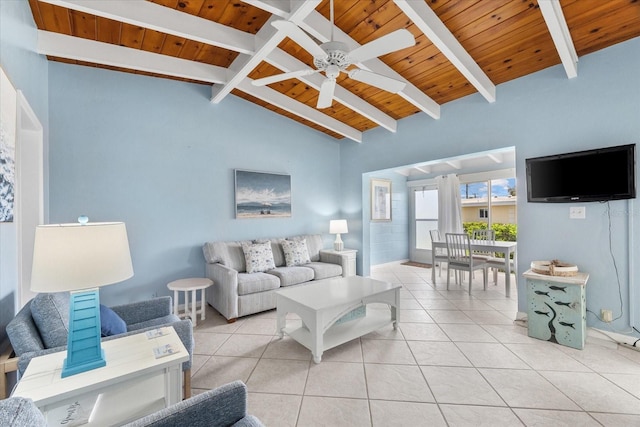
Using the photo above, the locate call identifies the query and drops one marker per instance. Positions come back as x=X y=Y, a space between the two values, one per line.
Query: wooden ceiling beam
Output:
x=79 y=49
x=266 y=40
x=169 y=21
x=165 y=20
x=75 y=48
x=284 y=102
x=428 y=22
x=554 y=18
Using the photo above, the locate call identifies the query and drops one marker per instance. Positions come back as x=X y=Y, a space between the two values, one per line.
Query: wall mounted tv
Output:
x=583 y=176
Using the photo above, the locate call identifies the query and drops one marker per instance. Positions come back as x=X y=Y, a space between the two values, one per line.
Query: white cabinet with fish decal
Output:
x=556 y=308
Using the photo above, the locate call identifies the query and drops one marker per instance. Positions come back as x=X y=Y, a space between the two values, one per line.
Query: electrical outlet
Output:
x=606 y=315
x=577 y=212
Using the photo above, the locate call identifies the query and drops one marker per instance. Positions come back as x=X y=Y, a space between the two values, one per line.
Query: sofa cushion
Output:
x=324 y=270
x=292 y=275
x=258 y=256
x=50 y=312
x=229 y=254
x=256 y=282
x=278 y=254
x=295 y=252
x=110 y=322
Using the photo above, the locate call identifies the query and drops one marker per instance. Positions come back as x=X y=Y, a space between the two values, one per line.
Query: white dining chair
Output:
x=461 y=258
x=439 y=256
x=494 y=262
x=488 y=235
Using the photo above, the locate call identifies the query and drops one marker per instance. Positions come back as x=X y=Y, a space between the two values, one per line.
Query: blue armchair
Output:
x=41 y=327
x=225 y=406
x=221 y=407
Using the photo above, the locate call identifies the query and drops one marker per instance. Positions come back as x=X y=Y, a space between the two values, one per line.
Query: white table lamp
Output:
x=80 y=258
x=337 y=227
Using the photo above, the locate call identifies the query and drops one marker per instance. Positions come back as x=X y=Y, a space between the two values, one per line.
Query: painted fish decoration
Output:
x=558 y=288
x=542 y=293
x=567 y=324
x=566 y=304
x=546 y=313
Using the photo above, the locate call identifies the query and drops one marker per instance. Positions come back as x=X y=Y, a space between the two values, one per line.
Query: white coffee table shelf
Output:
x=320 y=304
x=344 y=332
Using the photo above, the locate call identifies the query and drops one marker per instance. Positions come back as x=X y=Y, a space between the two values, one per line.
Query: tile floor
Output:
x=456 y=360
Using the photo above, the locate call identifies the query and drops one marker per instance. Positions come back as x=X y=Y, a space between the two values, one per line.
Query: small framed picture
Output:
x=380 y=199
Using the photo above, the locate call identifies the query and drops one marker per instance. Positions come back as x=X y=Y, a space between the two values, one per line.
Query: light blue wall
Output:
x=540 y=114
x=389 y=241
x=159 y=156
x=27 y=72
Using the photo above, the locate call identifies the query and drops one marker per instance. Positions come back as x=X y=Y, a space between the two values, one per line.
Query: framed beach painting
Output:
x=262 y=194
x=380 y=199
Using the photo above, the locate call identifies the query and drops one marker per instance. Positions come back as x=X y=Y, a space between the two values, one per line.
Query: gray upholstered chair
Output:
x=20 y=412
x=41 y=327
x=221 y=407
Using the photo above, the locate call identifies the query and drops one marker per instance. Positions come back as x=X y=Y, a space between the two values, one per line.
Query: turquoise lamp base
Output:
x=84 y=347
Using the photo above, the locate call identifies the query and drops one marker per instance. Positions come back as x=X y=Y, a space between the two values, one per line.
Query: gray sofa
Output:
x=236 y=293
x=221 y=407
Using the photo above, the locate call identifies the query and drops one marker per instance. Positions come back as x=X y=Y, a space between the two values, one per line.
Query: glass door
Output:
x=424 y=217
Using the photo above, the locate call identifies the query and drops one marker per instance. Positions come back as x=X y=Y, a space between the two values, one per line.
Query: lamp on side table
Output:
x=337 y=227
x=80 y=258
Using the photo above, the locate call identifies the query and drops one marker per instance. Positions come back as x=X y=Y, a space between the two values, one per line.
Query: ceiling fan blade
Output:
x=378 y=80
x=303 y=39
x=284 y=76
x=391 y=42
x=325 y=98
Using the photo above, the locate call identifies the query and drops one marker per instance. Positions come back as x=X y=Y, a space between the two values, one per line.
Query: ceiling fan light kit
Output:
x=333 y=57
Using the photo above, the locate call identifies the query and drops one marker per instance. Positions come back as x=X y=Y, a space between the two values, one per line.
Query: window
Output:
x=488 y=199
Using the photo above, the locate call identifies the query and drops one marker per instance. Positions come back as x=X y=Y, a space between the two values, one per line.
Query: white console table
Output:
x=134 y=383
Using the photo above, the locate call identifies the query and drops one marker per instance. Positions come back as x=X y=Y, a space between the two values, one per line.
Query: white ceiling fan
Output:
x=334 y=57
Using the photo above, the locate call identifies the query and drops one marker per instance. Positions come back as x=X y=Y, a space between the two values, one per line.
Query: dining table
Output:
x=505 y=247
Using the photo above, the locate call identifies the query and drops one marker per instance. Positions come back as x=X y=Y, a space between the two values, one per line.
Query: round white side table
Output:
x=193 y=285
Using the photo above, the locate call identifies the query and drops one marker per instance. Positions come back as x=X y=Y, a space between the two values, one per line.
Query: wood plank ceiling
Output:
x=462 y=47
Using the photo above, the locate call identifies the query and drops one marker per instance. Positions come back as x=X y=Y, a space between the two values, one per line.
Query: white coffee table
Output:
x=320 y=304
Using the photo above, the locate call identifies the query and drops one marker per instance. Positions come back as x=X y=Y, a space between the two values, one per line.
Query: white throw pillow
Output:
x=295 y=252
x=258 y=256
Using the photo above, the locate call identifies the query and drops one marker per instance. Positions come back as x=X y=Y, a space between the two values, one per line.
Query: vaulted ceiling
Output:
x=461 y=47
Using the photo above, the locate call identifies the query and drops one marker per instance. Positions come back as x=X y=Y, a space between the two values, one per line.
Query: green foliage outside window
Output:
x=506 y=232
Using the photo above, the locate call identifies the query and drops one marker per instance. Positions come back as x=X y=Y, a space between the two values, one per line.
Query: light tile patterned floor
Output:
x=456 y=360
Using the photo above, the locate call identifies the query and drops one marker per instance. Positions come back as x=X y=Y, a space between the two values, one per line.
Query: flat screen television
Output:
x=583 y=176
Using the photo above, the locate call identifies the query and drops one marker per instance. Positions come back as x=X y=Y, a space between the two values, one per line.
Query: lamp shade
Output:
x=338 y=226
x=69 y=257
